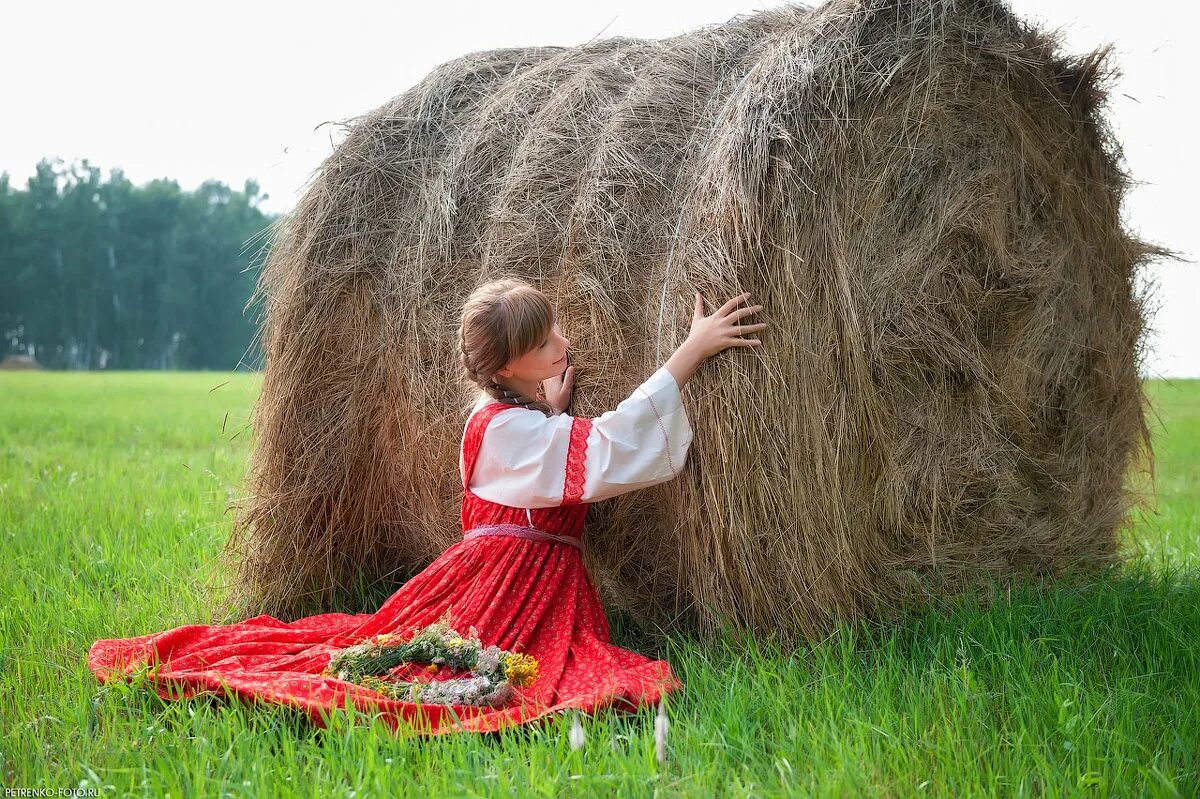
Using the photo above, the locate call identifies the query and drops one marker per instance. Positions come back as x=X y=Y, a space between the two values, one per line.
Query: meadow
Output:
x=113 y=495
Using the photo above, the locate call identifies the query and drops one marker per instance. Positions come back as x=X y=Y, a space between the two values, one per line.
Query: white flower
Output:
x=488 y=660
x=661 y=725
x=576 y=736
x=500 y=696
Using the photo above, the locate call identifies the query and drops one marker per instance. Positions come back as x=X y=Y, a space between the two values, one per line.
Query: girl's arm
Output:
x=708 y=336
x=522 y=458
x=642 y=442
x=683 y=362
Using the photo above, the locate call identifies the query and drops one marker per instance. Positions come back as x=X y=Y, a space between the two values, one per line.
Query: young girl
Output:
x=517 y=577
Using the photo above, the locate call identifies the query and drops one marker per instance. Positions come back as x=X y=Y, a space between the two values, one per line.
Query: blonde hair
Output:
x=503 y=320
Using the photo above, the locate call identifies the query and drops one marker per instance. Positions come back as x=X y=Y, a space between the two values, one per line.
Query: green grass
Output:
x=112 y=497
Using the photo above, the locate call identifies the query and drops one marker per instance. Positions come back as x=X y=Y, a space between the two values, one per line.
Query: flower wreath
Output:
x=492 y=672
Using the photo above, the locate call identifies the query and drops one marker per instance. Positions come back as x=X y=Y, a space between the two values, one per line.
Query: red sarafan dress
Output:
x=517 y=576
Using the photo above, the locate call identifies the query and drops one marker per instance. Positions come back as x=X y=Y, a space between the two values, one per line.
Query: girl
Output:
x=517 y=578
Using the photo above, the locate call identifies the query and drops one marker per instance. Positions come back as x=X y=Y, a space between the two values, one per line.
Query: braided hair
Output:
x=502 y=320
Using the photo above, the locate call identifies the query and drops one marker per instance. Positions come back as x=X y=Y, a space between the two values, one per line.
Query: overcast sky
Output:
x=237 y=90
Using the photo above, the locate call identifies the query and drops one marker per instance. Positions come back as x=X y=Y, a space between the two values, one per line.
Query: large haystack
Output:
x=923 y=195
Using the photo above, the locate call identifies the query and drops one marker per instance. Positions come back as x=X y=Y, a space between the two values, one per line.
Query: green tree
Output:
x=102 y=274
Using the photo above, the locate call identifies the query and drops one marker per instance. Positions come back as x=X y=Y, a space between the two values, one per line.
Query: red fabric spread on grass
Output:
x=529 y=596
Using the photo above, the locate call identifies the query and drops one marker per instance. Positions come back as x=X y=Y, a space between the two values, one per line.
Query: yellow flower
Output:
x=456 y=641
x=521 y=670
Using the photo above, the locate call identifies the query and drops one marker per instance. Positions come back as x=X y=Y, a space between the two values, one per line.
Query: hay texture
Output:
x=924 y=196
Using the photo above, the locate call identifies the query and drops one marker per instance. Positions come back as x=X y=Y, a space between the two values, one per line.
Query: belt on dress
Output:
x=521 y=531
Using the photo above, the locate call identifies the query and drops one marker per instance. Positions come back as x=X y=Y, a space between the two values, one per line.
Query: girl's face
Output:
x=547 y=359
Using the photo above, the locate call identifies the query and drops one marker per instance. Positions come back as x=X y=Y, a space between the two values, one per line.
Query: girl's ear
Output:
x=505 y=372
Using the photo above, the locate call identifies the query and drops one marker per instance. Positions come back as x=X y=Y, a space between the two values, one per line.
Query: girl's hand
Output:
x=711 y=334
x=558 y=389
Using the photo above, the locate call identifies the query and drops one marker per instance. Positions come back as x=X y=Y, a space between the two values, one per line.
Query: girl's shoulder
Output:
x=522 y=417
x=493 y=408
x=506 y=426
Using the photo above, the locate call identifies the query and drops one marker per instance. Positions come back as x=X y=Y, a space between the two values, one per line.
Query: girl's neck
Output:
x=528 y=389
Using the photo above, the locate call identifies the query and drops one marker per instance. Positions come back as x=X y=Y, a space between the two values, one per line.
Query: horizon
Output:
x=144 y=117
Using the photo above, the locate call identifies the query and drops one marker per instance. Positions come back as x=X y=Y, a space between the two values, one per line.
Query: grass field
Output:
x=112 y=496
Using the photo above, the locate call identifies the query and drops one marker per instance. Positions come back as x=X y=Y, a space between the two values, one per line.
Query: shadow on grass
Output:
x=1136 y=621
x=1130 y=618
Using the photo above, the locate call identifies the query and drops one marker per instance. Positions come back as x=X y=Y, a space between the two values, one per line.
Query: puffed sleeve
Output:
x=644 y=441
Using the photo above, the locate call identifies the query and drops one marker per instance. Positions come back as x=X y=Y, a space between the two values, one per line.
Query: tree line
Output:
x=102 y=274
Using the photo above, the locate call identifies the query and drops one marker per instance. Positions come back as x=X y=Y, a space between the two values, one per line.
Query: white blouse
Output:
x=522 y=457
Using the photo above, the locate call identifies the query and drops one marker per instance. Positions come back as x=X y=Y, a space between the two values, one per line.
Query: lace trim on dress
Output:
x=576 y=454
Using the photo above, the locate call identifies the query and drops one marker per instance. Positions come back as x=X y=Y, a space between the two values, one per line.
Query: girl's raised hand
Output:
x=558 y=389
x=711 y=334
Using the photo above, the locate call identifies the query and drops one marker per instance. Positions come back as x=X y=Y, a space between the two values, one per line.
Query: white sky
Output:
x=236 y=90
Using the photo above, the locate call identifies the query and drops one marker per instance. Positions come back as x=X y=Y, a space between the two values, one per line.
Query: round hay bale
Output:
x=19 y=362
x=923 y=194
